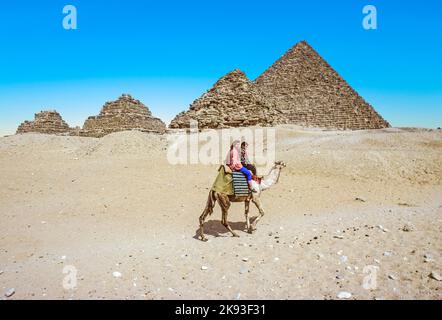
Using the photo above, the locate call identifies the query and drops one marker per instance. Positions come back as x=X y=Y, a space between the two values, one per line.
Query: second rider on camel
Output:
x=234 y=162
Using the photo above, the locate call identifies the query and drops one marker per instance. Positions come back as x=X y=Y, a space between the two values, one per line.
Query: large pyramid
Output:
x=126 y=113
x=233 y=101
x=311 y=93
x=49 y=122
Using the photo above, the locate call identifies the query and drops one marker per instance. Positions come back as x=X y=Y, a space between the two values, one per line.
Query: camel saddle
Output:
x=232 y=183
x=240 y=185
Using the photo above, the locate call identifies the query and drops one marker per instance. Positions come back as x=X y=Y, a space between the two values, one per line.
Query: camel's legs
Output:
x=207 y=211
x=225 y=205
x=257 y=203
x=202 y=219
x=246 y=212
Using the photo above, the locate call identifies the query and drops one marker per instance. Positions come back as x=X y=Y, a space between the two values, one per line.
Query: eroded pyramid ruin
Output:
x=310 y=92
x=49 y=122
x=232 y=102
x=126 y=113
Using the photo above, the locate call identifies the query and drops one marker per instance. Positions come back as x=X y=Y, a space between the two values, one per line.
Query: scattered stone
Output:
x=404 y=204
x=338 y=237
x=436 y=276
x=245 y=259
x=392 y=277
x=238 y=296
x=408 y=228
x=344 y=295
x=243 y=270
x=360 y=199
x=117 y=274
x=343 y=259
x=204 y=268
x=383 y=229
x=388 y=254
x=9 y=292
x=428 y=258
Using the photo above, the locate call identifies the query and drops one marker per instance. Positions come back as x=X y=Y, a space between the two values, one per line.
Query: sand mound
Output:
x=383 y=155
x=126 y=143
x=41 y=143
x=133 y=143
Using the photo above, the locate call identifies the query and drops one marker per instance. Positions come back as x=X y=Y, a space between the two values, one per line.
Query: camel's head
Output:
x=280 y=164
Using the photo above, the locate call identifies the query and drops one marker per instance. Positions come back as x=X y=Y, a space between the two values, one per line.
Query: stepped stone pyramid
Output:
x=310 y=92
x=49 y=122
x=299 y=88
x=232 y=102
x=126 y=113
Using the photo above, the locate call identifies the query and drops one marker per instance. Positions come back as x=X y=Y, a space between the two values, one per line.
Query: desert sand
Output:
x=349 y=205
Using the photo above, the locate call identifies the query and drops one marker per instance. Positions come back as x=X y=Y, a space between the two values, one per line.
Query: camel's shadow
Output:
x=216 y=229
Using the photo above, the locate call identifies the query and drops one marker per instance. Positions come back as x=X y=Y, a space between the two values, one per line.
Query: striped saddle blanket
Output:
x=240 y=185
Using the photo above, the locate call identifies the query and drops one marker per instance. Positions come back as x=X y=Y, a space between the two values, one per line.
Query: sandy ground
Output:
x=115 y=205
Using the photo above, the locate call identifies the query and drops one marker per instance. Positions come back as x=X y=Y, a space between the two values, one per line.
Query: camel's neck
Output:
x=271 y=179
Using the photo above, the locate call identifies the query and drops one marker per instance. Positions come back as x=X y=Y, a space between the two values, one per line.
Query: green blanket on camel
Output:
x=223 y=183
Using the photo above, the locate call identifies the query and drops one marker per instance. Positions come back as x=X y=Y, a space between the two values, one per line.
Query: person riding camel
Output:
x=245 y=159
x=234 y=162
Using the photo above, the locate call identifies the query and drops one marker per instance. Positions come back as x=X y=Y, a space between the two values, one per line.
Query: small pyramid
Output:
x=126 y=113
x=233 y=101
x=310 y=92
x=48 y=122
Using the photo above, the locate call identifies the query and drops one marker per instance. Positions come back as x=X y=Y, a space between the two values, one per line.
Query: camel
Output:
x=225 y=201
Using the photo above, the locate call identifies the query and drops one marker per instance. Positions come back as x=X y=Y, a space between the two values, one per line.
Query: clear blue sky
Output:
x=167 y=53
